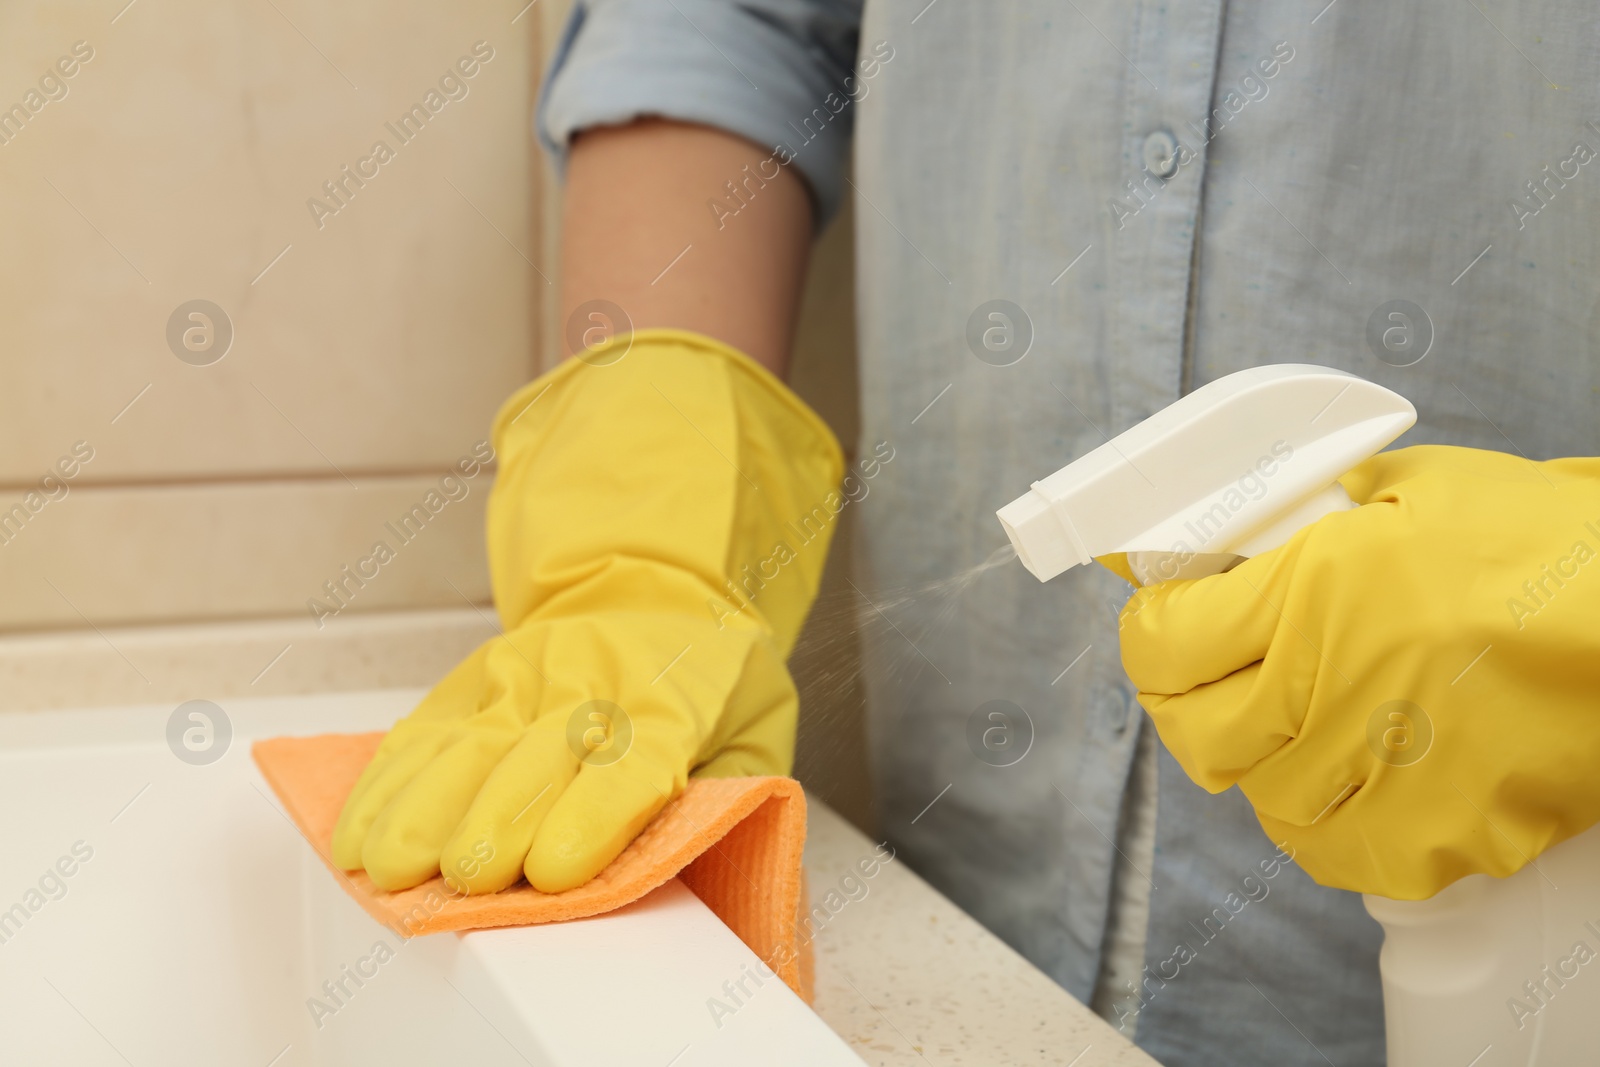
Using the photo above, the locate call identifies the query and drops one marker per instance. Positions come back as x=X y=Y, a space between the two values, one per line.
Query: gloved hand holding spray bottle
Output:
x=1374 y=682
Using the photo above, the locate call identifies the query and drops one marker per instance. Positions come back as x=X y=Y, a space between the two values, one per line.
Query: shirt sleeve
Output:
x=776 y=72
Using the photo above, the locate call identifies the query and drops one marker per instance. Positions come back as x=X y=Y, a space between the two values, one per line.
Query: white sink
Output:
x=200 y=929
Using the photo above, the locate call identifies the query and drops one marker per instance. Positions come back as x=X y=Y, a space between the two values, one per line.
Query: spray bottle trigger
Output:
x=1152 y=567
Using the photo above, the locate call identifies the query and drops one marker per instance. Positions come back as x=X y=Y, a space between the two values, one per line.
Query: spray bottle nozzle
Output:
x=1230 y=470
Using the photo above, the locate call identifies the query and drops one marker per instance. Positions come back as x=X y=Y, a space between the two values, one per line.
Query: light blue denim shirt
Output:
x=1162 y=193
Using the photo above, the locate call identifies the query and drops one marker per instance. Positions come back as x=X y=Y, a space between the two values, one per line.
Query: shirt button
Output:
x=1114 y=713
x=1161 y=154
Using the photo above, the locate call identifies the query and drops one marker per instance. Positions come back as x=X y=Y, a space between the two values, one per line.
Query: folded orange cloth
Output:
x=735 y=842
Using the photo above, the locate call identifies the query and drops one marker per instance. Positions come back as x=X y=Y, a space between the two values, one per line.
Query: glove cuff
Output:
x=666 y=453
x=614 y=351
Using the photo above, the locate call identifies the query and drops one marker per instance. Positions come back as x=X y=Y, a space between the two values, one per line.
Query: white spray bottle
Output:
x=1486 y=973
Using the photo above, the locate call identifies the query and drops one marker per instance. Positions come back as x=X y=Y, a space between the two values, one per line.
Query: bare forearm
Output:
x=638 y=231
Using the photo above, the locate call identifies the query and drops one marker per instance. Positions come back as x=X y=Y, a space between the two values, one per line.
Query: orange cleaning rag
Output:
x=735 y=842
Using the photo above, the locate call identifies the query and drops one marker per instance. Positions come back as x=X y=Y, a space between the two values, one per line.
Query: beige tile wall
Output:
x=372 y=337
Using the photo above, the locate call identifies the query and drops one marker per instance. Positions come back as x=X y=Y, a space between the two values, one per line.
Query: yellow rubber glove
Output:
x=657 y=532
x=1407 y=692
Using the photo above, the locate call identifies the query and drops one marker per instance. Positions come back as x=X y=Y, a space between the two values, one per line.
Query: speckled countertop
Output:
x=908 y=978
